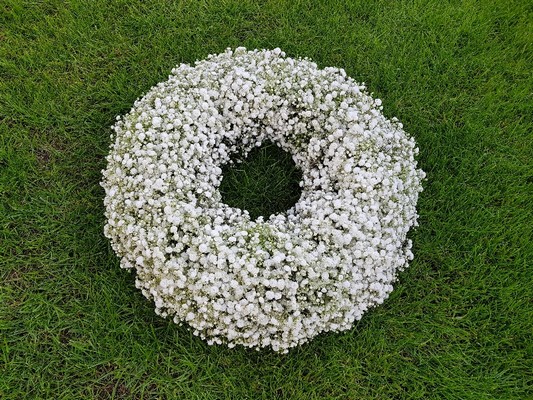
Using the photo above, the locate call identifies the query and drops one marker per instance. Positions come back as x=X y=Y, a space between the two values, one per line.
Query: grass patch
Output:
x=266 y=182
x=457 y=74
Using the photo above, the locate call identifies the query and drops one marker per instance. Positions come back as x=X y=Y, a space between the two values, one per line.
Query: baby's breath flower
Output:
x=280 y=280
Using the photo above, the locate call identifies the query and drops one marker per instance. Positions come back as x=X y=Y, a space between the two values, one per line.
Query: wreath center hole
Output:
x=266 y=182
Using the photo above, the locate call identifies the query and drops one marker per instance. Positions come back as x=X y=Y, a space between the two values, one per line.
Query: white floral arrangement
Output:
x=279 y=280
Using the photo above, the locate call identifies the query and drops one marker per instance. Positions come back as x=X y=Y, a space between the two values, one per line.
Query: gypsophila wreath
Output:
x=276 y=281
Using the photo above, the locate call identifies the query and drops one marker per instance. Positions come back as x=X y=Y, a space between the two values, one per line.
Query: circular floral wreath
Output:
x=277 y=281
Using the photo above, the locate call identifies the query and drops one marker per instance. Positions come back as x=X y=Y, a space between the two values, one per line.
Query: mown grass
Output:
x=263 y=183
x=458 y=325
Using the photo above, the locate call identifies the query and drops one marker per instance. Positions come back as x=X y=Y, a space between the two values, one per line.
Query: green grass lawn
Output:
x=266 y=182
x=459 y=324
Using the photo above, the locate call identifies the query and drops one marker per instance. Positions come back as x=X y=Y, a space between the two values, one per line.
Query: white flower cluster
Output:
x=276 y=281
